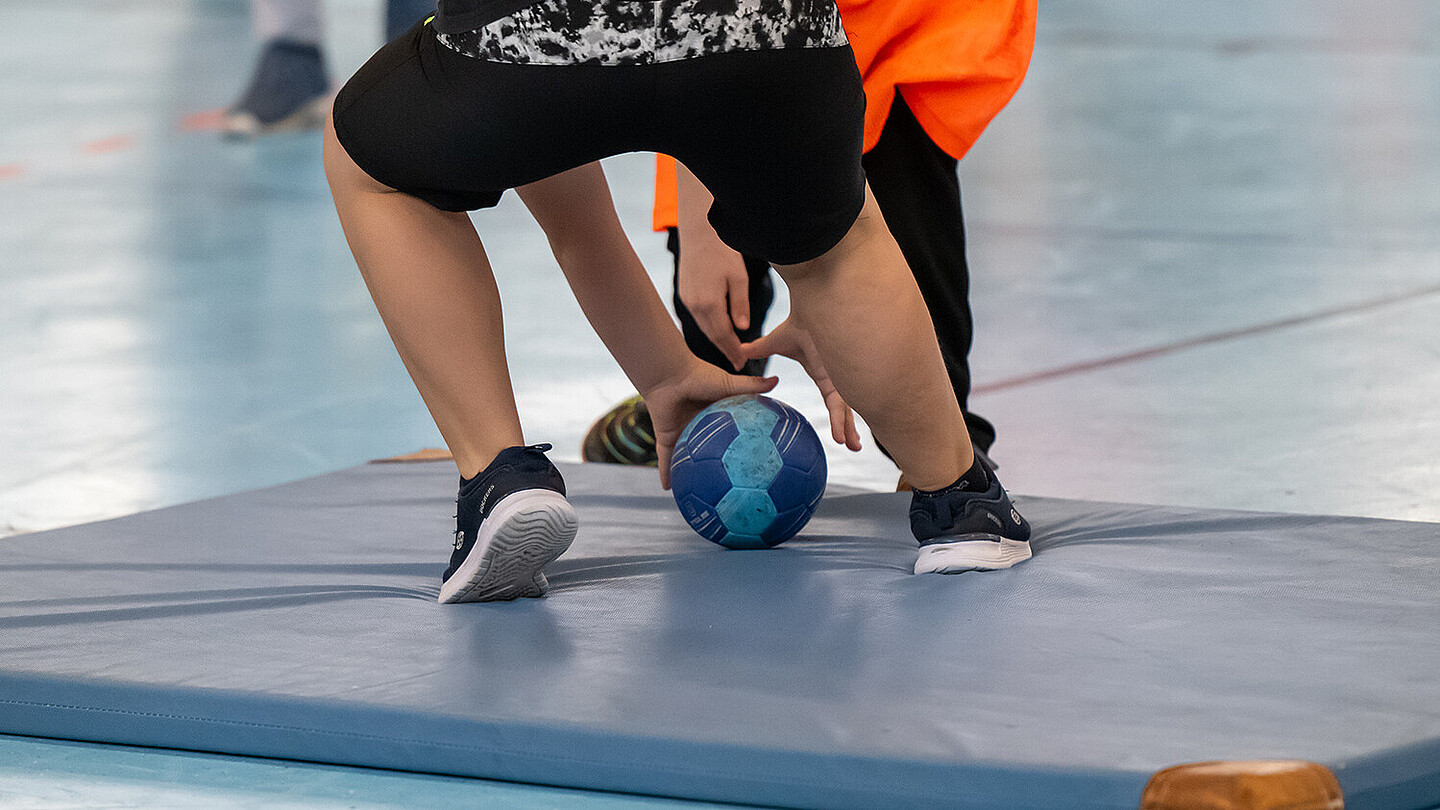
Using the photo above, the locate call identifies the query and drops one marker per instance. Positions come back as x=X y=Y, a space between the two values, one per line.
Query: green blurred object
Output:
x=624 y=435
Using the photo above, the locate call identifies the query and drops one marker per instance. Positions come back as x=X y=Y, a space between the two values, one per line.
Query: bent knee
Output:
x=867 y=233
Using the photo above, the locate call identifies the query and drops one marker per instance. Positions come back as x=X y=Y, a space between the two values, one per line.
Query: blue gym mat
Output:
x=300 y=622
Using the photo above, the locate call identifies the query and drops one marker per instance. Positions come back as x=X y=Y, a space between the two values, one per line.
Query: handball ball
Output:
x=748 y=472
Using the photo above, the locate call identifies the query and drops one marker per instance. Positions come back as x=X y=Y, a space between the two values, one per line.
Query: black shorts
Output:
x=775 y=135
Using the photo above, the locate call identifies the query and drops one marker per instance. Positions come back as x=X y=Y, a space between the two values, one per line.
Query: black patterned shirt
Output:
x=628 y=32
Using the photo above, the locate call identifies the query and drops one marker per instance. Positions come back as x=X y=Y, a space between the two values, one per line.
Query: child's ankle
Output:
x=975 y=479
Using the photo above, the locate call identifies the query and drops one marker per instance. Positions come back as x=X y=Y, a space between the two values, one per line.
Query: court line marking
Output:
x=209 y=120
x=104 y=146
x=1127 y=358
x=203 y=121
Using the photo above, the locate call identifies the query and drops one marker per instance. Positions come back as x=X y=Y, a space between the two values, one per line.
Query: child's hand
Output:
x=793 y=342
x=711 y=279
x=673 y=403
x=713 y=284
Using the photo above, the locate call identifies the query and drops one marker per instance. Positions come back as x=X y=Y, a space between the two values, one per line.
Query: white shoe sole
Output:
x=971 y=555
x=244 y=125
x=525 y=532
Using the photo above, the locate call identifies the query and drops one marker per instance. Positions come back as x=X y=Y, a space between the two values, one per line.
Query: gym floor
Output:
x=1204 y=240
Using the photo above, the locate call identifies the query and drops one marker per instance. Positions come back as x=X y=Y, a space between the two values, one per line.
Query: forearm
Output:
x=607 y=277
x=620 y=301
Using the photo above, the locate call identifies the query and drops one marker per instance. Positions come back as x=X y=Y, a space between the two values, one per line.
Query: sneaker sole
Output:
x=245 y=126
x=530 y=529
x=971 y=555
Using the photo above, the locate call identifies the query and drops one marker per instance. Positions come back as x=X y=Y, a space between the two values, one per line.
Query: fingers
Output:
x=671 y=411
x=762 y=347
x=787 y=341
x=842 y=423
x=852 y=433
x=754 y=385
x=738 y=294
x=664 y=451
x=713 y=284
x=714 y=321
x=837 y=410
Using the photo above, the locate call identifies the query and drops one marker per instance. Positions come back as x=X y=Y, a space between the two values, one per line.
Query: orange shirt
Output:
x=957 y=62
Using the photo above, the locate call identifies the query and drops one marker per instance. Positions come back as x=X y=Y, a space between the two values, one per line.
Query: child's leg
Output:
x=870 y=325
x=860 y=304
x=783 y=167
x=434 y=288
x=916 y=185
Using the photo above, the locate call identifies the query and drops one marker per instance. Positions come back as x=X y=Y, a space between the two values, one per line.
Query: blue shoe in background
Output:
x=289 y=91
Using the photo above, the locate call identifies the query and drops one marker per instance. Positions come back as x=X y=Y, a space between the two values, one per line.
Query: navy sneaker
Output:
x=963 y=530
x=511 y=521
x=290 y=90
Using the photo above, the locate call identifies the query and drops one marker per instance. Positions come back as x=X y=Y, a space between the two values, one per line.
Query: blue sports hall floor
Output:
x=1205 y=252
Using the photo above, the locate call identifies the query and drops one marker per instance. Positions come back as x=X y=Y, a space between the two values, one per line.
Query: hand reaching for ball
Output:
x=674 y=402
x=793 y=342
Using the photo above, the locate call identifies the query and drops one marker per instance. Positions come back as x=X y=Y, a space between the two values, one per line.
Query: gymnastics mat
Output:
x=300 y=622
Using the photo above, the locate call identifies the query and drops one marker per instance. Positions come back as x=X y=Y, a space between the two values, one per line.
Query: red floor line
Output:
x=102 y=146
x=203 y=121
x=1087 y=366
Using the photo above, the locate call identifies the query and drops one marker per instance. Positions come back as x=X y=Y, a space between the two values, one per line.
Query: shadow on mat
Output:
x=198 y=603
x=798 y=557
x=1139 y=525
x=390 y=569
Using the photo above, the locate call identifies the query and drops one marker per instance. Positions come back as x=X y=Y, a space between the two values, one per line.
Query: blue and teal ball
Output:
x=748 y=472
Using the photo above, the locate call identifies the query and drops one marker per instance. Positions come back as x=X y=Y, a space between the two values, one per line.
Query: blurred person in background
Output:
x=289 y=88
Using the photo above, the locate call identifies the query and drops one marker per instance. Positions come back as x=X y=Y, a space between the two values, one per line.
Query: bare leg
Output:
x=860 y=305
x=436 y=293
